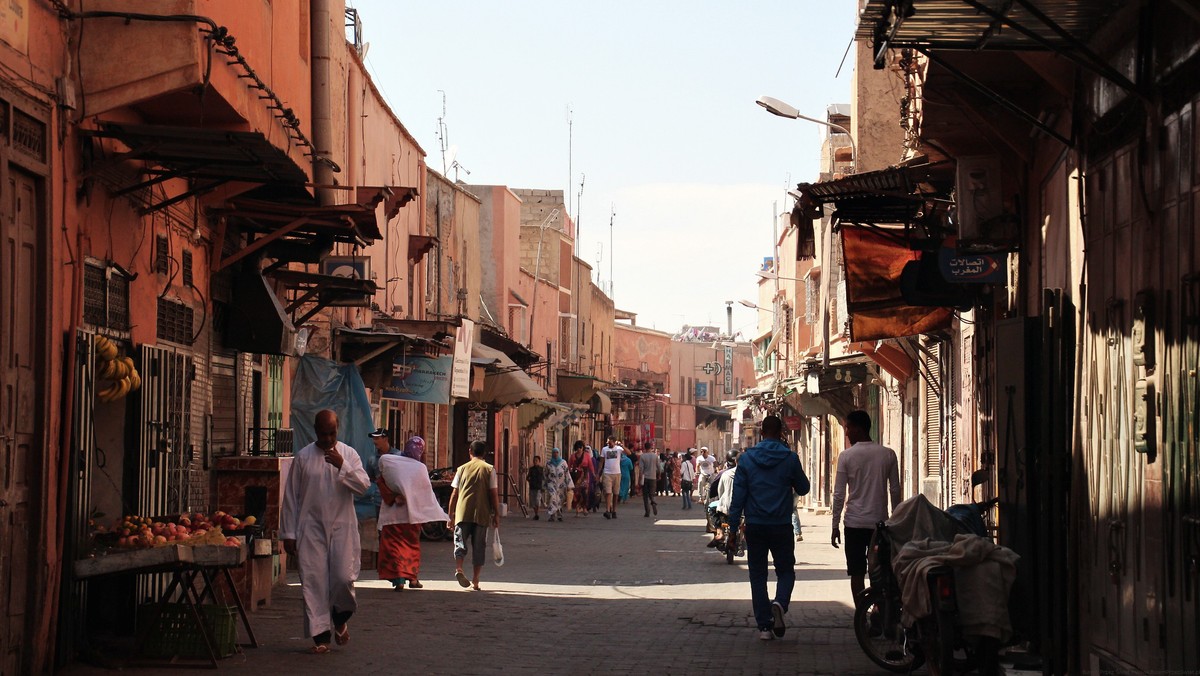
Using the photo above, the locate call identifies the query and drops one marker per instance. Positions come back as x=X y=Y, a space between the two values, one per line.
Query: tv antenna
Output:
x=441 y=135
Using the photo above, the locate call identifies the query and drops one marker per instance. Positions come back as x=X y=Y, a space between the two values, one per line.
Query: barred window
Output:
x=105 y=297
x=175 y=322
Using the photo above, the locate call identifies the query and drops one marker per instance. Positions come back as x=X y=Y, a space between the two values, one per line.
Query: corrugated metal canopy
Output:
x=973 y=24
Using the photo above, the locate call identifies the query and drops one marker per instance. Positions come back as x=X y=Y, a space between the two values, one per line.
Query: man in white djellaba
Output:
x=319 y=527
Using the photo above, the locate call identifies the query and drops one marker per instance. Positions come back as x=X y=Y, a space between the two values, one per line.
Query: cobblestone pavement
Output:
x=587 y=595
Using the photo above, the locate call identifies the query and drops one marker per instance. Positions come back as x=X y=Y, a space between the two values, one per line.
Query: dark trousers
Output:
x=648 y=494
x=779 y=542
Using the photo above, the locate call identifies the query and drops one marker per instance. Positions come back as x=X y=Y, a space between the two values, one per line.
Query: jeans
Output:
x=648 y=495
x=797 y=529
x=687 y=495
x=776 y=539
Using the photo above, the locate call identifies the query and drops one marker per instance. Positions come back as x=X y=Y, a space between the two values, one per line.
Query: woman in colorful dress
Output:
x=408 y=502
x=676 y=474
x=582 y=474
x=556 y=484
x=626 y=474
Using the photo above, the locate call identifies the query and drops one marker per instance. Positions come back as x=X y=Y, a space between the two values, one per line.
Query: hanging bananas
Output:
x=119 y=369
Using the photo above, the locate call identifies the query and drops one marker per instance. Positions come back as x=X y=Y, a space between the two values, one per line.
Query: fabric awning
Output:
x=505 y=384
x=874 y=264
x=601 y=403
x=890 y=358
x=707 y=414
x=578 y=388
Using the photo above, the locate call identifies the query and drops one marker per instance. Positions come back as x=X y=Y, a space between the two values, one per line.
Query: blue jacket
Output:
x=767 y=476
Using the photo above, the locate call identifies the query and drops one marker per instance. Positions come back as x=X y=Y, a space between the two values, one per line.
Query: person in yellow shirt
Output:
x=474 y=504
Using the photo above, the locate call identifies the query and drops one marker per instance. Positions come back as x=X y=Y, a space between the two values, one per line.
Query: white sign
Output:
x=464 y=337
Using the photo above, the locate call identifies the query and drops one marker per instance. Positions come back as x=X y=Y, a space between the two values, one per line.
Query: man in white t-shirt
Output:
x=610 y=481
x=706 y=465
x=867 y=475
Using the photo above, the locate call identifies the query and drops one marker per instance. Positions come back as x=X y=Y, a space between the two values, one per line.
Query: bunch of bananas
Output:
x=118 y=369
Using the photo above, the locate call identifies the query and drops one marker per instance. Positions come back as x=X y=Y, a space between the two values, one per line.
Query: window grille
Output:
x=29 y=135
x=162 y=255
x=175 y=322
x=105 y=297
x=187 y=268
x=811 y=300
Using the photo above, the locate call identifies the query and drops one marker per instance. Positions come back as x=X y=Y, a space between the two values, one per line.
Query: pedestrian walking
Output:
x=676 y=468
x=318 y=526
x=611 y=479
x=867 y=475
x=626 y=475
x=650 y=466
x=535 y=477
x=706 y=467
x=408 y=502
x=768 y=476
x=583 y=475
x=687 y=472
x=474 y=504
x=557 y=486
x=664 y=472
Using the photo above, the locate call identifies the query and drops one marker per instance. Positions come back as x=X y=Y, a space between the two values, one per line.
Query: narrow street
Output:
x=588 y=595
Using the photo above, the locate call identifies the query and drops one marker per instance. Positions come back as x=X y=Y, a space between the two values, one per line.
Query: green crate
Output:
x=176 y=635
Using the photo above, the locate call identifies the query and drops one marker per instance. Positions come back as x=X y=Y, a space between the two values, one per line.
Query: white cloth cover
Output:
x=410 y=478
x=318 y=513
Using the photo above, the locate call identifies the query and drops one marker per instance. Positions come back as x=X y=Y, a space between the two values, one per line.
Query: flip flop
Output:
x=342 y=636
x=476 y=587
x=321 y=649
x=462 y=579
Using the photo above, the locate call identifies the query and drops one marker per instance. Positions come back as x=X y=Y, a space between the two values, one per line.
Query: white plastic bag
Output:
x=497 y=549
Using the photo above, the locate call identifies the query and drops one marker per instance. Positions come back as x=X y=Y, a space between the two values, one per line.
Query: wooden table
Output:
x=184 y=565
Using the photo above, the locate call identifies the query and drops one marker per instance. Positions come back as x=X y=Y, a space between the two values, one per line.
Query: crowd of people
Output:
x=757 y=489
x=592 y=480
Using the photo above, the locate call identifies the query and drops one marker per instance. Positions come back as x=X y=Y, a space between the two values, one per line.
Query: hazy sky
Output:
x=665 y=128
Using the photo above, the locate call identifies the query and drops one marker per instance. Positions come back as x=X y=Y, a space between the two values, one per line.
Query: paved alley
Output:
x=588 y=595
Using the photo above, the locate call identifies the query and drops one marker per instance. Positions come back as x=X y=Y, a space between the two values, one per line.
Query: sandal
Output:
x=321 y=649
x=342 y=636
x=415 y=584
x=476 y=587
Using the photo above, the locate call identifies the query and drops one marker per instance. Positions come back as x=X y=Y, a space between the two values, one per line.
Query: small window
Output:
x=105 y=297
x=187 y=268
x=162 y=255
x=175 y=322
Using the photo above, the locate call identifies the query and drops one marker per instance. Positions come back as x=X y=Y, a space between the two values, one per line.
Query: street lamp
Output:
x=753 y=306
x=763 y=274
x=777 y=107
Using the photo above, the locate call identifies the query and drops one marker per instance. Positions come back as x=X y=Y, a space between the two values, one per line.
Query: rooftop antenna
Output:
x=612 y=214
x=579 y=204
x=599 y=258
x=441 y=133
x=570 y=168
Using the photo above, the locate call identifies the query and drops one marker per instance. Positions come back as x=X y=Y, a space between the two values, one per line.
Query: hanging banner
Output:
x=464 y=336
x=425 y=379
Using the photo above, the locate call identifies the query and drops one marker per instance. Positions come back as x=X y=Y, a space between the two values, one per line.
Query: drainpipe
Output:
x=322 y=116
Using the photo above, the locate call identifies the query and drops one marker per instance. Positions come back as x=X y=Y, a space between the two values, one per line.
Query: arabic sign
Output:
x=840 y=376
x=424 y=379
x=973 y=268
x=464 y=336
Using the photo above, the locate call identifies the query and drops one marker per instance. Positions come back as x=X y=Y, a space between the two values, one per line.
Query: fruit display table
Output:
x=179 y=613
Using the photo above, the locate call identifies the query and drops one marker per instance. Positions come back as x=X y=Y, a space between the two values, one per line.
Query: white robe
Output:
x=410 y=478
x=318 y=513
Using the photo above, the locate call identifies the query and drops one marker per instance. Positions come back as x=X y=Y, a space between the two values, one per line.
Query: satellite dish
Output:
x=451 y=154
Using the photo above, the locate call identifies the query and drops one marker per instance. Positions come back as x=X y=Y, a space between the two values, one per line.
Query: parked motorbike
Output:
x=937 y=637
x=440 y=479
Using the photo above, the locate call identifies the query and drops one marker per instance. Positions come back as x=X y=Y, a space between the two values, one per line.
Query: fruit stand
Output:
x=187 y=620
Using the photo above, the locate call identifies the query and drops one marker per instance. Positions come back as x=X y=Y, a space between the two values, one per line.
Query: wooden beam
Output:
x=261 y=242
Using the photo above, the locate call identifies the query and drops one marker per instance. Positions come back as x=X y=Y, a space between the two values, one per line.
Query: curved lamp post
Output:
x=777 y=107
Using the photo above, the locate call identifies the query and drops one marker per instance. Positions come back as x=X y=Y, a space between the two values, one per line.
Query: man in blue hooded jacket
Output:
x=768 y=476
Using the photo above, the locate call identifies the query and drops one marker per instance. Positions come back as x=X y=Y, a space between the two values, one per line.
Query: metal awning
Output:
x=324 y=290
x=303 y=224
x=893 y=195
x=706 y=414
x=374 y=350
x=208 y=158
x=982 y=24
x=600 y=403
x=512 y=349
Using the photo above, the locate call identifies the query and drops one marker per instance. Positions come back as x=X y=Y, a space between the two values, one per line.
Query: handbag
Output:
x=497 y=549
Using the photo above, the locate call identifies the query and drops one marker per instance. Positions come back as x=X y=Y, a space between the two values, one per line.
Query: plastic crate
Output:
x=176 y=635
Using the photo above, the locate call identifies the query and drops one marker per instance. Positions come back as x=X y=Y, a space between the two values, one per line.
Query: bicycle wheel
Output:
x=434 y=530
x=885 y=645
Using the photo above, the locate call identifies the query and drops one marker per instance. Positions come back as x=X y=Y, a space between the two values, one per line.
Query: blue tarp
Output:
x=323 y=384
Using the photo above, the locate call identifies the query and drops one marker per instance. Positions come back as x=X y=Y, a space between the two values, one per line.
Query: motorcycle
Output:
x=937 y=637
x=440 y=479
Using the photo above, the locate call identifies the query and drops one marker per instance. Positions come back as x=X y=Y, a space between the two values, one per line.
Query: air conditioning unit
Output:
x=983 y=223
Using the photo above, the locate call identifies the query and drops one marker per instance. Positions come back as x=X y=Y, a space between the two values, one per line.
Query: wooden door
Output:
x=19 y=413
